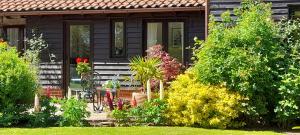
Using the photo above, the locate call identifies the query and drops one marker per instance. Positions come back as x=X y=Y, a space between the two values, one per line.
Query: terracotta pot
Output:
x=139 y=97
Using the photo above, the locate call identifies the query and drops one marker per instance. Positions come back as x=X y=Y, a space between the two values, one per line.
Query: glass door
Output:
x=78 y=47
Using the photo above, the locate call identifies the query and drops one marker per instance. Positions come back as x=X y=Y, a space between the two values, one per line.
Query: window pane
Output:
x=154 y=34
x=79 y=47
x=176 y=40
x=1 y=34
x=118 y=47
x=296 y=14
x=13 y=36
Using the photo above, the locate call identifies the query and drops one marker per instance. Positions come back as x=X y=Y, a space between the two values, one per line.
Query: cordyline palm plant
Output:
x=146 y=69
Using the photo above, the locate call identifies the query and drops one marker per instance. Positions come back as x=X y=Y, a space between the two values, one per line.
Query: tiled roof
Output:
x=61 y=5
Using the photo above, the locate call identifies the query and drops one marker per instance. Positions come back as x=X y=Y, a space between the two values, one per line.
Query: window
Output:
x=176 y=40
x=154 y=34
x=118 y=43
x=79 y=47
x=1 y=34
x=15 y=37
x=295 y=12
x=170 y=34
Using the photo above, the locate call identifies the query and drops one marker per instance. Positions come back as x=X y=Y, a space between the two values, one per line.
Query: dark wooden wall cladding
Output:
x=52 y=27
x=280 y=8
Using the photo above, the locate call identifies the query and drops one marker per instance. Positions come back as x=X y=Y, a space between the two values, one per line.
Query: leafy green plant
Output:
x=145 y=68
x=191 y=103
x=74 y=112
x=112 y=84
x=287 y=107
x=150 y=113
x=83 y=67
x=18 y=83
x=46 y=117
x=122 y=117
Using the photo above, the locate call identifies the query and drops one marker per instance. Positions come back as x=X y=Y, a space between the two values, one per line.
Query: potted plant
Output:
x=83 y=67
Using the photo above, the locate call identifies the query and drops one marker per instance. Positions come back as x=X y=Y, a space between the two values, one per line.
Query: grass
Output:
x=128 y=131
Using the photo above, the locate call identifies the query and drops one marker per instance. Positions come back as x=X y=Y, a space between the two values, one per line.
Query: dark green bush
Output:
x=18 y=83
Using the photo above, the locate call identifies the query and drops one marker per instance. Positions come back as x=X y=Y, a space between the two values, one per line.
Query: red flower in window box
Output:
x=78 y=60
x=85 y=60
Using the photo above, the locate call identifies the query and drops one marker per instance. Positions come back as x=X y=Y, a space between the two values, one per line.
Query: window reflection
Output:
x=176 y=40
x=154 y=34
x=118 y=43
x=79 y=48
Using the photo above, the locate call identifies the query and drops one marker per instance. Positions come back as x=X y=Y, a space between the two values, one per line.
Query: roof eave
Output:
x=108 y=11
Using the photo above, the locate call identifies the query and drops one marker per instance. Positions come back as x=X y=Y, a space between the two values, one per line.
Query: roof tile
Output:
x=60 y=5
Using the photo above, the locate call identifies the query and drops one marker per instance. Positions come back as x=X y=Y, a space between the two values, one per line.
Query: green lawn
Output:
x=128 y=131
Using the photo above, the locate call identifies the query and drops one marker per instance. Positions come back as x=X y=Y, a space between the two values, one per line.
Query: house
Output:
x=110 y=32
x=107 y=32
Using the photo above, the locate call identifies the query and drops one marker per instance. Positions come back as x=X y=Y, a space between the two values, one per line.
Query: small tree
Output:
x=170 y=66
x=145 y=69
x=36 y=45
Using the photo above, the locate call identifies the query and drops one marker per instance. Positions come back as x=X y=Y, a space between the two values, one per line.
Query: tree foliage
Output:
x=170 y=66
x=246 y=55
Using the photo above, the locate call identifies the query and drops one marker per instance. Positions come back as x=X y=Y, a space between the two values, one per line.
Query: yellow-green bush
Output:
x=193 y=104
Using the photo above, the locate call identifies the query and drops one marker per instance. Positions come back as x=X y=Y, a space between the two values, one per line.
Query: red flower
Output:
x=85 y=60
x=78 y=60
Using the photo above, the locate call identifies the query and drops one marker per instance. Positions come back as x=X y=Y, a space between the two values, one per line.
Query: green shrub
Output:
x=288 y=104
x=193 y=104
x=46 y=117
x=74 y=112
x=246 y=55
x=122 y=117
x=150 y=113
x=18 y=83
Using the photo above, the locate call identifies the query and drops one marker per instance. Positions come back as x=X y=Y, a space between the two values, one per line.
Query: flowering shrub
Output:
x=193 y=104
x=170 y=66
